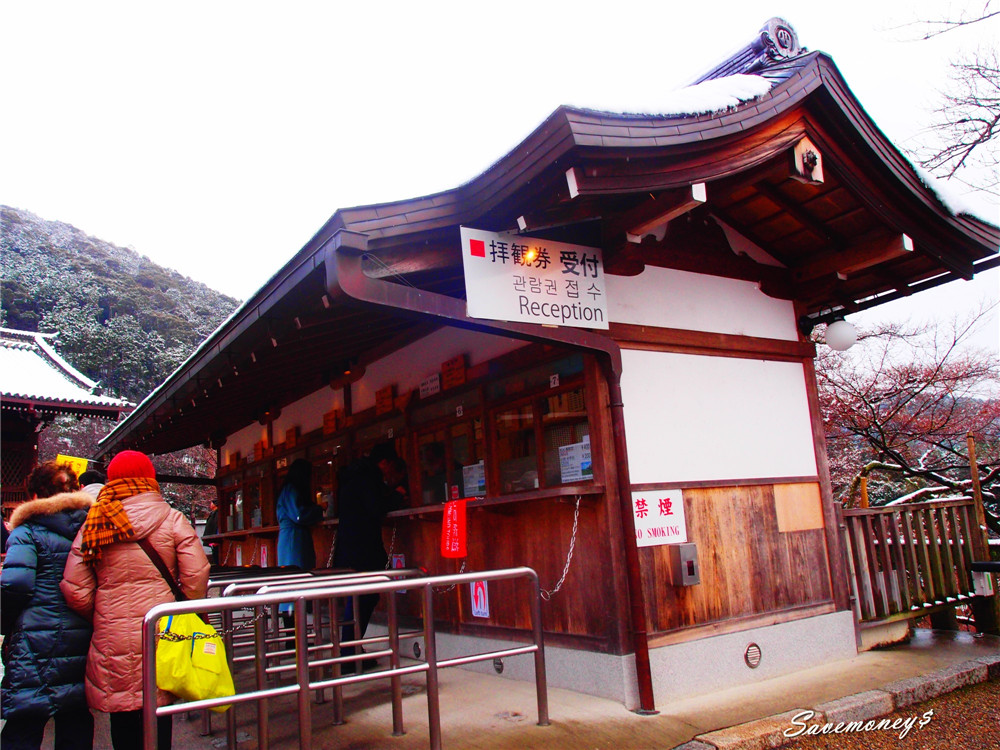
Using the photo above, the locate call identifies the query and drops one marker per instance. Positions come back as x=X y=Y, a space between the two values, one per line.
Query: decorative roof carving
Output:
x=779 y=39
x=775 y=43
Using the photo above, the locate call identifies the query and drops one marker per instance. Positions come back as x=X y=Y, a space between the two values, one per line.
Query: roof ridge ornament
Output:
x=779 y=39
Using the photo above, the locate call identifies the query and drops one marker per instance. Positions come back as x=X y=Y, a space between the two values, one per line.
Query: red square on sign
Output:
x=477 y=248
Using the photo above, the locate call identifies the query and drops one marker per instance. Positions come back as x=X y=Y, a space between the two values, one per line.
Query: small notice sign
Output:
x=480 y=599
x=430 y=386
x=575 y=464
x=531 y=280
x=474 y=479
x=397 y=562
x=658 y=517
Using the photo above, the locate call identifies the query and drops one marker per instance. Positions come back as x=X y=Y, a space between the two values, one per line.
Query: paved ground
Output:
x=486 y=712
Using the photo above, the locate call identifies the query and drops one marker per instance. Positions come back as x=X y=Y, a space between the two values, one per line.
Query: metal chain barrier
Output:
x=445 y=589
x=546 y=595
x=333 y=548
x=256 y=550
x=229 y=552
x=392 y=546
x=243 y=625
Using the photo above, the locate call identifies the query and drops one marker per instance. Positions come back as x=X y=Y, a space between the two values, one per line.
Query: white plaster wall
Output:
x=408 y=366
x=678 y=299
x=307 y=413
x=694 y=418
x=242 y=442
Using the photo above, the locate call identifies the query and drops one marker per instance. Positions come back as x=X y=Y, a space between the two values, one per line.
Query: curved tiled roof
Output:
x=34 y=375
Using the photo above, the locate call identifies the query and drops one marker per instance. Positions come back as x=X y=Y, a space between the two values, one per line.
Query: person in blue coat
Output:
x=45 y=642
x=297 y=513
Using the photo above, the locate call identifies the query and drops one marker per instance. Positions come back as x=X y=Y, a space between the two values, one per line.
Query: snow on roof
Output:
x=31 y=369
x=714 y=95
x=955 y=201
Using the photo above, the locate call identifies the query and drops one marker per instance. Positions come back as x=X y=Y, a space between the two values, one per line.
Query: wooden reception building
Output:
x=683 y=410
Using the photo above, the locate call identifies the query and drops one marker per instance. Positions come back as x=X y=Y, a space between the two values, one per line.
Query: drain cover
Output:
x=752 y=656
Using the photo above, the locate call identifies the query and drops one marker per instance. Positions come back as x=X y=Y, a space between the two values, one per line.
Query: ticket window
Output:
x=252 y=509
x=231 y=516
x=558 y=423
x=432 y=454
x=566 y=434
x=517 y=449
x=451 y=462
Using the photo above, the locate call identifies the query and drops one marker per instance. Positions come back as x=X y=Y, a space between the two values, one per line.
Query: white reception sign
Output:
x=517 y=278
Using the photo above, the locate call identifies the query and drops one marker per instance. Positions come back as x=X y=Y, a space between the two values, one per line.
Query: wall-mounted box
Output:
x=683 y=564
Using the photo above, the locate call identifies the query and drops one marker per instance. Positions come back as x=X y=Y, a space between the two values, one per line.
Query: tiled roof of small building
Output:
x=33 y=372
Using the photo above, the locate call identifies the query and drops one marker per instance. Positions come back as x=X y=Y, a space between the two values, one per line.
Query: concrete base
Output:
x=679 y=671
x=709 y=664
x=884 y=634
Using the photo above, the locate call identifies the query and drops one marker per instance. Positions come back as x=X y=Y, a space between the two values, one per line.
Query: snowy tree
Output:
x=899 y=405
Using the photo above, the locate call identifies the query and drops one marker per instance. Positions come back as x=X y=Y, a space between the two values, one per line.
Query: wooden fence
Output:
x=905 y=560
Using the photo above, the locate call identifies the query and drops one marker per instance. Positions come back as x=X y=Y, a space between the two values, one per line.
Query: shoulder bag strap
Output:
x=161 y=566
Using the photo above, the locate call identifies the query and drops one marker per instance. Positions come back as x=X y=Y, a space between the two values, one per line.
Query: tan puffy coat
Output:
x=118 y=591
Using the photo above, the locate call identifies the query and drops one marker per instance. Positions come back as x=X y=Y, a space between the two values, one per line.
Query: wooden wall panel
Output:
x=535 y=534
x=748 y=566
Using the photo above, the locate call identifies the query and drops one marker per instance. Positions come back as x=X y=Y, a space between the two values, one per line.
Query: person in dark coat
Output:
x=45 y=642
x=363 y=499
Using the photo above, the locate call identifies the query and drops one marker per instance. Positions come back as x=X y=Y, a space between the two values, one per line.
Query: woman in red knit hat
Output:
x=110 y=579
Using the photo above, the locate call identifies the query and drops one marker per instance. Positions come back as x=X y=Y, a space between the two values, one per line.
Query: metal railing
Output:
x=304 y=665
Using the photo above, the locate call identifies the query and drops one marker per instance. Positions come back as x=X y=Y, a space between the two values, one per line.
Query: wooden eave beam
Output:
x=856 y=258
x=652 y=216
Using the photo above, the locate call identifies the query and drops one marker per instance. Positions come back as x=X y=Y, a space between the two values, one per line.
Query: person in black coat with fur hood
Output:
x=45 y=642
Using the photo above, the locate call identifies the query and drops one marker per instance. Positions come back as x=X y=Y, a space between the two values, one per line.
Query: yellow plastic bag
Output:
x=191 y=660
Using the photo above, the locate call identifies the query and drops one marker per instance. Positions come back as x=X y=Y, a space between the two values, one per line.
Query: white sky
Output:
x=217 y=137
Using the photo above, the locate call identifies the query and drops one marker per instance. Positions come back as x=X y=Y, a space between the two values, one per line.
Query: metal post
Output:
x=541 y=683
x=227 y=626
x=430 y=649
x=397 y=683
x=338 y=690
x=302 y=674
x=149 y=738
x=260 y=668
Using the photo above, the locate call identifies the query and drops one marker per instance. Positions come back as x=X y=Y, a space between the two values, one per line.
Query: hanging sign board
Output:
x=453 y=529
x=517 y=278
x=453 y=372
x=658 y=517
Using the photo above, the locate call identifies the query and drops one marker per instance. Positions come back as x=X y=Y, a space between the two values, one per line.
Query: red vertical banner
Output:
x=453 y=529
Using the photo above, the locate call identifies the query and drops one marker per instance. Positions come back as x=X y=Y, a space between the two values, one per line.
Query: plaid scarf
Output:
x=106 y=522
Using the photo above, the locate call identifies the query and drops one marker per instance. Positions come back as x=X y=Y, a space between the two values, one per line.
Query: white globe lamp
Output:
x=840 y=335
